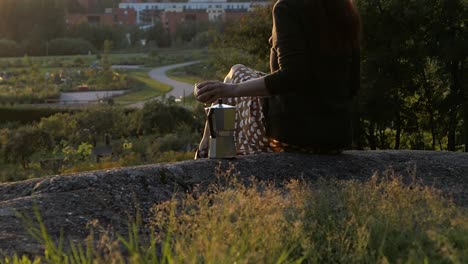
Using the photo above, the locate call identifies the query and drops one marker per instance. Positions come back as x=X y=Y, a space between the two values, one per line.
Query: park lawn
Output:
x=73 y=61
x=193 y=73
x=161 y=57
x=145 y=88
x=180 y=75
x=46 y=61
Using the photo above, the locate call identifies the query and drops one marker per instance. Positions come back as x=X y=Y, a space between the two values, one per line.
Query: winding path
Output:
x=179 y=89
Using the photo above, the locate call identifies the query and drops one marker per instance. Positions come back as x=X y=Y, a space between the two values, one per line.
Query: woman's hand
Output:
x=210 y=91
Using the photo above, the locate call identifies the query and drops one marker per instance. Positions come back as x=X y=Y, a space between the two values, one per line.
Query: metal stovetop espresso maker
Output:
x=221 y=122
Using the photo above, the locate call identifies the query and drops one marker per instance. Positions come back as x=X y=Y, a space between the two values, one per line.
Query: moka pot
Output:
x=221 y=122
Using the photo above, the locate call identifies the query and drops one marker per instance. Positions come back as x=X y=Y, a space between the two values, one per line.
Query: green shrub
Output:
x=161 y=118
x=129 y=60
x=173 y=142
x=97 y=121
x=34 y=47
x=23 y=142
x=78 y=62
x=9 y=48
x=70 y=46
x=60 y=126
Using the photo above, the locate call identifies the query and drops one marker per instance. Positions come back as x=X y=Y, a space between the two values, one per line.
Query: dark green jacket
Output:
x=311 y=92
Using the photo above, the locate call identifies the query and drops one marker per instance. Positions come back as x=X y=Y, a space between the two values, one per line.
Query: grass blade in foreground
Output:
x=381 y=220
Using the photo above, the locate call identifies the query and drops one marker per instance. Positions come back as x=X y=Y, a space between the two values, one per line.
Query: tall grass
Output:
x=331 y=221
x=381 y=220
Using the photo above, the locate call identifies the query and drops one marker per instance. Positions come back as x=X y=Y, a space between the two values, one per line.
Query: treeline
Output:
x=414 y=92
x=31 y=22
x=27 y=115
x=38 y=27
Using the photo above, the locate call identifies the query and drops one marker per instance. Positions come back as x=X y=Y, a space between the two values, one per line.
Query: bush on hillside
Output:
x=99 y=121
x=183 y=140
x=70 y=46
x=9 y=48
x=161 y=118
x=20 y=144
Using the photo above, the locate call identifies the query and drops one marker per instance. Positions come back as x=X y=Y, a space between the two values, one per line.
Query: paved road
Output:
x=179 y=89
x=134 y=67
x=85 y=97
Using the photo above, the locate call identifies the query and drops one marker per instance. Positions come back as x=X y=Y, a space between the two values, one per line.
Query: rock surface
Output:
x=70 y=202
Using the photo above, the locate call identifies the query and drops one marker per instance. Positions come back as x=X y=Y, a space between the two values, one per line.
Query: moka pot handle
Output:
x=210 y=122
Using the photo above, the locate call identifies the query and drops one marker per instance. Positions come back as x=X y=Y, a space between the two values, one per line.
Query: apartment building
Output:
x=147 y=12
x=173 y=13
x=111 y=16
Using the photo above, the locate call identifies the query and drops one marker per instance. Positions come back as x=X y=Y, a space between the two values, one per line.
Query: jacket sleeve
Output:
x=290 y=45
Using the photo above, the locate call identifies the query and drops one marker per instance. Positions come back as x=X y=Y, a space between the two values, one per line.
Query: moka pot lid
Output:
x=220 y=105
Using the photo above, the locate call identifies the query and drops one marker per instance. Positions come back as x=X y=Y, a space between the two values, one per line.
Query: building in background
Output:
x=215 y=9
x=111 y=16
x=87 y=4
x=170 y=14
x=173 y=13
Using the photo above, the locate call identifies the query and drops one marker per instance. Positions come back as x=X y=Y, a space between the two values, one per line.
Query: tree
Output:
x=405 y=46
x=159 y=35
x=32 y=22
x=161 y=118
x=23 y=143
x=245 y=41
x=69 y=46
x=105 y=59
x=98 y=34
x=96 y=122
x=59 y=127
x=448 y=37
x=9 y=48
x=188 y=30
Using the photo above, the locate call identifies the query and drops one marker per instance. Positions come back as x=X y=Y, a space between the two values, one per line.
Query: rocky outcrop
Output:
x=70 y=202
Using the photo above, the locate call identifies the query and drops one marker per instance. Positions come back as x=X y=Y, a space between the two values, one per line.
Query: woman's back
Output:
x=315 y=73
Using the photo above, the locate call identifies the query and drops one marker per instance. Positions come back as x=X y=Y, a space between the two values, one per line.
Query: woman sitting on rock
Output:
x=304 y=103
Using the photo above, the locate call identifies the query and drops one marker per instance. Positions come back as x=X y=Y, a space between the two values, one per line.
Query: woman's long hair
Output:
x=336 y=22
